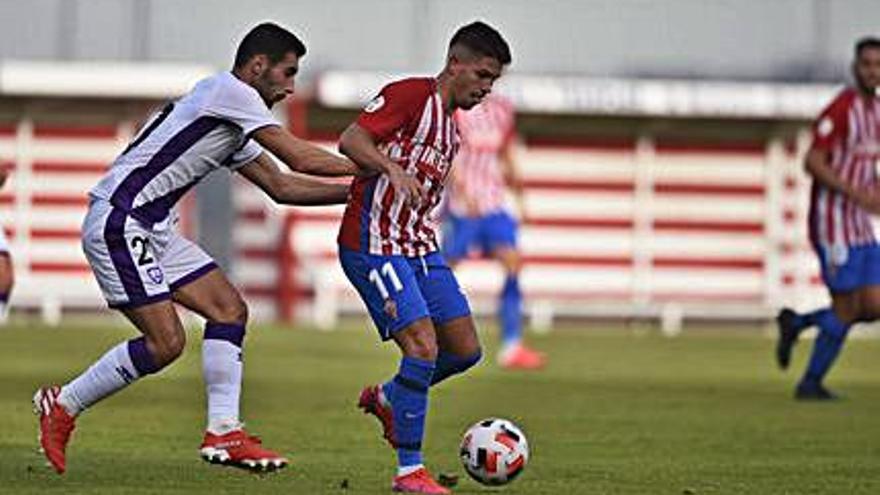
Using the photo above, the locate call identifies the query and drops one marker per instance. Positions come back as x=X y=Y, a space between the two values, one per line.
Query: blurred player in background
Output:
x=6 y=278
x=388 y=238
x=842 y=162
x=479 y=218
x=143 y=264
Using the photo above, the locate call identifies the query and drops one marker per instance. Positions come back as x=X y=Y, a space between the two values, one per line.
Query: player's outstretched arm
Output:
x=302 y=156
x=358 y=144
x=292 y=189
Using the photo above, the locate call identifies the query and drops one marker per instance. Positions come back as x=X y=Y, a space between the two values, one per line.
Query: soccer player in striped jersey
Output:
x=842 y=161
x=478 y=215
x=143 y=265
x=388 y=238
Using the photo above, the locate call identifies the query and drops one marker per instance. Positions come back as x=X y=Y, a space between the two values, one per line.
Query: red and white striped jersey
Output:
x=849 y=128
x=485 y=131
x=412 y=128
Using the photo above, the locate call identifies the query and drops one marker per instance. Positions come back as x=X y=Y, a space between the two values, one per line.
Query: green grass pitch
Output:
x=616 y=412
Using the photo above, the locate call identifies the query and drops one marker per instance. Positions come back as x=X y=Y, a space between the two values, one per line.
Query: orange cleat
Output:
x=56 y=425
x=239 y=449
x=373 y=401
x=418 y=482
x=521 y=357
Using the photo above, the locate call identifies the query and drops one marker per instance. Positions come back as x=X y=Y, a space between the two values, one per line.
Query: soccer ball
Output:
x=494 y=451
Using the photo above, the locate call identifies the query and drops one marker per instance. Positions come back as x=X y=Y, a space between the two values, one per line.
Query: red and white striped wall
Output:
x=637 y=227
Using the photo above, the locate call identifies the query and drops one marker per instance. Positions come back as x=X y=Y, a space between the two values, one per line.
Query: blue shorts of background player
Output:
x=852 y=275
x=399 y=290
x=495 y=235
x=845 y=269
x=486 y=233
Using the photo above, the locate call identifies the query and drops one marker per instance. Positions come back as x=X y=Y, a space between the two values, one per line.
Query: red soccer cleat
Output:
x=418 y=482
x=372 y=401
x=56 y=425
x=239 y=449
x=522 y=358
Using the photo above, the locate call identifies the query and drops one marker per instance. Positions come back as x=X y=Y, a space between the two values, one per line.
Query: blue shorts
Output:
x=845 y=269
x=399 y=290
x=486 y=233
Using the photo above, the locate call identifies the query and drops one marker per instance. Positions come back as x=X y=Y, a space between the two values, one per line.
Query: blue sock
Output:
x=832 y=333
x=806 y=320
x=510 y=311
x=408 y=394
x=449 y=364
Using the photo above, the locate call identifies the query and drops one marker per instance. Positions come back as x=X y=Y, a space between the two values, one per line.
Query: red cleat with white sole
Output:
x=522 y=358
x=239 y=449
x=373 y=401
x=418 y=482
x=56 y=425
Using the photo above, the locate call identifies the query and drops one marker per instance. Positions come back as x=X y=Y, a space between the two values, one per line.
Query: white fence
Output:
x=646 y=230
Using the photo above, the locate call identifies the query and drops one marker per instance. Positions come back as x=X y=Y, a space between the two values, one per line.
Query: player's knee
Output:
x=167 y=349
x=233 y=311
x=421 y=343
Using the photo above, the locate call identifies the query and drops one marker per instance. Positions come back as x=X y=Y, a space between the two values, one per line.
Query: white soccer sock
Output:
x=222 y=369
x=108 y=375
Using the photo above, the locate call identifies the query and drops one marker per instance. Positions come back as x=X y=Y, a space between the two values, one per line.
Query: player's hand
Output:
x=406 y=185
x=868 y=199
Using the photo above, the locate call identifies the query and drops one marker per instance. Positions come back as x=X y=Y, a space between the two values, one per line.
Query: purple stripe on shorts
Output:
x=140 y=302
x=4 y=296
x=140 y=356
x=192 y=276
x=230 y=332
x=114 y=236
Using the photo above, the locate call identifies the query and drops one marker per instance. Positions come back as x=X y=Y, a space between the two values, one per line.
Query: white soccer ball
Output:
x=494 y=451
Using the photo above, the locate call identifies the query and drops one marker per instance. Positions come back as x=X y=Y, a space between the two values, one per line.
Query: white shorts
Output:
x=4 y=244
x=137 y=265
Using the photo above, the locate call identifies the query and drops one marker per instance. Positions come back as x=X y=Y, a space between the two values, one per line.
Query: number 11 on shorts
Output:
x=389 y=273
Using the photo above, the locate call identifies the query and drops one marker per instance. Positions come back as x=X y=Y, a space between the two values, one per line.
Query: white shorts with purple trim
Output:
x=137 y=264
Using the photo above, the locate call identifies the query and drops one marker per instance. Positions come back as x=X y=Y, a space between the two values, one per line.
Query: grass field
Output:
x=616 y=412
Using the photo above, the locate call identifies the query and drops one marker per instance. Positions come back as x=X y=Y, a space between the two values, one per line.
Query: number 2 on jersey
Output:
x=390 y=274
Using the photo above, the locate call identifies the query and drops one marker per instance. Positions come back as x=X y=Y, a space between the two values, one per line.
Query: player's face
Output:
x=276 y=81
x=866 y=69
x=474 y=80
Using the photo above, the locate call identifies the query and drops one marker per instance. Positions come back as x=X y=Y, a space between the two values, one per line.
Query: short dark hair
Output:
x=865 y=43
x=482 y=38
x=271 y=40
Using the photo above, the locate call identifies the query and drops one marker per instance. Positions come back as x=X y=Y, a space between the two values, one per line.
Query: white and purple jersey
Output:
x=128 y=234
x=207 y=129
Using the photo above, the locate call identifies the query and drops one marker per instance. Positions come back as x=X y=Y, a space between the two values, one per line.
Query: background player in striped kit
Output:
x=842 y=161
x=6 y=273
x=142 y=264
x=479 y=217
x=388 y=241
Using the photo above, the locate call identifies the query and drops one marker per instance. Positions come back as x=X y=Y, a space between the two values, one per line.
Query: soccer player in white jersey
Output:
x=842 y=161
x=388 y=243
x=143 y=265
x=6 y=277
x=479 y=218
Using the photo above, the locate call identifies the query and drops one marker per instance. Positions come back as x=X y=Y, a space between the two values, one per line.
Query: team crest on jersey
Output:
x=826 y=125
x=375 y=104
x=155 y=274
x=390 y=308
